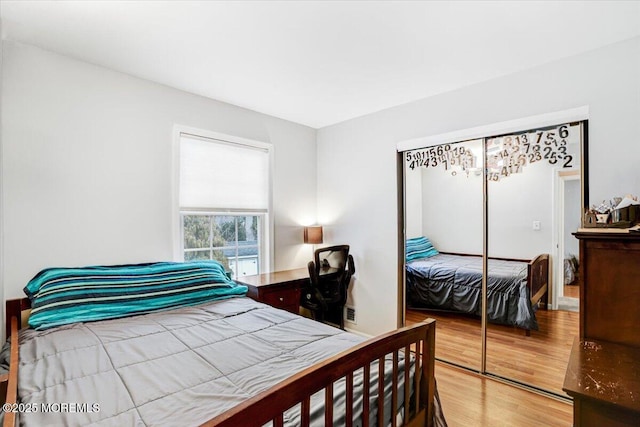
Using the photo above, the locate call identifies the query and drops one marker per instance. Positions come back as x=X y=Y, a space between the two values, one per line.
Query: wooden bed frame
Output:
x=537 y=278
x=271 y=404
x=538 y=281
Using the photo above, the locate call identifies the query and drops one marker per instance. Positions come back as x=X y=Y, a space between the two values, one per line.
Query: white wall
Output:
x=87 y=165
x=357 y=163
x=514 y=203
x=452 y=207
x=1 y=188
x=413 y=205
x=571 y=216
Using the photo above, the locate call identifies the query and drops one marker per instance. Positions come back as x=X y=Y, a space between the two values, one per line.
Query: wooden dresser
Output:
x=603 y=375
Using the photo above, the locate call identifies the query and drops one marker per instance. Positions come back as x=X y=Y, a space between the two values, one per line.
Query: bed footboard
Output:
x=271 y=404
x=418 y=408
x=538 y=280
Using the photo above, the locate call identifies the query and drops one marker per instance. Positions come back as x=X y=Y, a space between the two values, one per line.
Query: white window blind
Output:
x=222 y=175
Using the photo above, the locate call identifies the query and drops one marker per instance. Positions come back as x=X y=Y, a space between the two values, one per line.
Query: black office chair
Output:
x=330 y=275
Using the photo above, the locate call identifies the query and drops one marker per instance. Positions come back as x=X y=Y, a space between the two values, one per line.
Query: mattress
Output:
x=177 y=367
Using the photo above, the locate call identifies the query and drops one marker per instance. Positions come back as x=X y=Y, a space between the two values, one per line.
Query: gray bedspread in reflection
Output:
x=454 y=282
x=178 y=367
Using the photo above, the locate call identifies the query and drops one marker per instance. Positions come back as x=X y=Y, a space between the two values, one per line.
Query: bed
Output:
x=225 y=361
x=453 y=282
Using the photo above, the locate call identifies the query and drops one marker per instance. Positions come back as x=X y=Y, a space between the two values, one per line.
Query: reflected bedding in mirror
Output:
x=454 y=282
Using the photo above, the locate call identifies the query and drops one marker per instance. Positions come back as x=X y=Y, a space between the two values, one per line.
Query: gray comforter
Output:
x=178 y=367
x=454 y=282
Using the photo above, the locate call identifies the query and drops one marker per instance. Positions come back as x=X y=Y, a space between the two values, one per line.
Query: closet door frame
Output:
x=580 y=114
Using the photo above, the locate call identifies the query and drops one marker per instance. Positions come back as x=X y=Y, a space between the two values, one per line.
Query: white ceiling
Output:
x=319 y=63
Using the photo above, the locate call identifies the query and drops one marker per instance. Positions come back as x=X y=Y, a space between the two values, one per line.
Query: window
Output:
x=224 y=197
x=231 y=239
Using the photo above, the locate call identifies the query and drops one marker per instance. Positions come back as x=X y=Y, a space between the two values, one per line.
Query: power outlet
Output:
x=536 y=225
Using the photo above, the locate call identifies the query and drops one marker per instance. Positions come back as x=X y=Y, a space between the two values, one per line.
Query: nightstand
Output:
x=280 y=289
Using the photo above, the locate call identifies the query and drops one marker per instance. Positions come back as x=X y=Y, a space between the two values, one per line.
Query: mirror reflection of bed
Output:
x=447 y=210
x=532 y=301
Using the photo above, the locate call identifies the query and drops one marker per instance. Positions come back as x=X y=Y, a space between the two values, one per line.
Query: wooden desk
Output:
x=604 y=380
x=280 y=289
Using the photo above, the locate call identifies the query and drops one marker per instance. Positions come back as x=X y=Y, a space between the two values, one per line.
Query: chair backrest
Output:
x=332 y=264
x=331 y=259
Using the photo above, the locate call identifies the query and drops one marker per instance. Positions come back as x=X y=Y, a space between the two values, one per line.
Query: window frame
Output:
x=261 y=214
x=266 y=248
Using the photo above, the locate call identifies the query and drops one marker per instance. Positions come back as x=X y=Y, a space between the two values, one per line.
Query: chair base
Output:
x=333 y=316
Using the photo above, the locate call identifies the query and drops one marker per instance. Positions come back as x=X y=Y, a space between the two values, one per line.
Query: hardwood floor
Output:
x=540 y=359
x=469 y=399
x=571 y=291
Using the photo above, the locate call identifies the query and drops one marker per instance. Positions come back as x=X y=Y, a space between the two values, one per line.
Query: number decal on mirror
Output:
x=506 y=155
x=510 y=154
x=448 y=156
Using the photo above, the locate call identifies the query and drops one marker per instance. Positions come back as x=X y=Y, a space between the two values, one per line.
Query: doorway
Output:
x=566 y=290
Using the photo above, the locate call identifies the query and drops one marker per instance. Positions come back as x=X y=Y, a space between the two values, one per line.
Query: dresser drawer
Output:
x=286 y=299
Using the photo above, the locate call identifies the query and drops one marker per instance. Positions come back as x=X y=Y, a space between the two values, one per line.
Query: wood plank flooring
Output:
x=540 y=359
x=470 y=399
x=571 y=291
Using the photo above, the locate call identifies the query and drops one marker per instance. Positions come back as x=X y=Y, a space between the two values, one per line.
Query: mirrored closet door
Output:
x=444 y=218
x=489 y=249
x=526 y=245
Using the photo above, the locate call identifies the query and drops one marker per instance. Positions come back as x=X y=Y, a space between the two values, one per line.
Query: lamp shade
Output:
x=313 y=234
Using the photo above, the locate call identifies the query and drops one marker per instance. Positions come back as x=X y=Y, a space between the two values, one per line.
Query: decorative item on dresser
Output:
x=603 y=375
